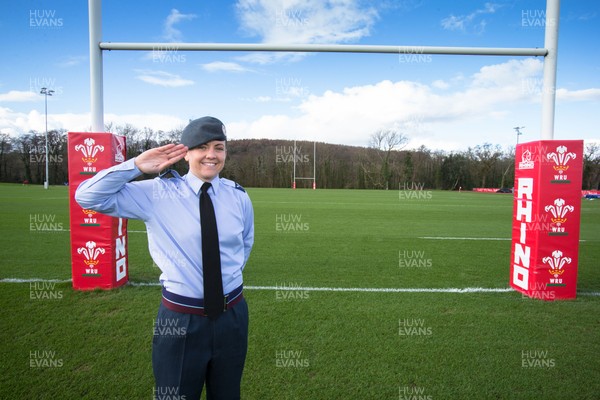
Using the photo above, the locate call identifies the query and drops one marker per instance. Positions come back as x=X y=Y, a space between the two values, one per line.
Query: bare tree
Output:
x=591 y=166
x=510 y=157
x=387 y=141
x=25 y=146
x=5 y=148
x=487 y=155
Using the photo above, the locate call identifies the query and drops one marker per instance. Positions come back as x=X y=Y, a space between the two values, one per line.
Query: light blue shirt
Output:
x=171 y=210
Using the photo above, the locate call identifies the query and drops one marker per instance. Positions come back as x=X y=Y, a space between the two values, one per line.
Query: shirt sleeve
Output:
x=248 y=228
x=111 y=192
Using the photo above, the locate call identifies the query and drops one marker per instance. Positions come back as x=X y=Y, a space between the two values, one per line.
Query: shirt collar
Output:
x=196 y=183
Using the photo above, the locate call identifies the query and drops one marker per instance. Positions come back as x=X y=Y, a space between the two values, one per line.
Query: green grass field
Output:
x=57 y=343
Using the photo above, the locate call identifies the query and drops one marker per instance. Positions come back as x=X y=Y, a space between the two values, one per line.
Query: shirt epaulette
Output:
x=233 y=184
x=172 y=172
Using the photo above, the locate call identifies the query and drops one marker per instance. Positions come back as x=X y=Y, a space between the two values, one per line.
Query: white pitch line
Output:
x=420 y=237
x=318 y=289
x=30 y=280
x=376 y=290
x=466 y=238
x=308 y=288
x=385 y=290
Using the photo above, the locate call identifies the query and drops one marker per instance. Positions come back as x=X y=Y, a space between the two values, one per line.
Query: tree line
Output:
x=384 y=164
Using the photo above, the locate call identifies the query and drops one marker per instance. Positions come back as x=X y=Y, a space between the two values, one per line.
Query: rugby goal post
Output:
x=549 y=52
x=296 y=158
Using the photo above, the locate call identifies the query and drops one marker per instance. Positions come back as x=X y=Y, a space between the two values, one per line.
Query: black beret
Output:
x=201 y=131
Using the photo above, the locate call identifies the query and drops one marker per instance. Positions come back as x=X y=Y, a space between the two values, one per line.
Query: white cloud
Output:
x=19 y=96
x=262 y=58
x=494 y=94
x=218 y=66
x=15 y=123
x=266 y=99
x=72 y=61
x=151 y=120
x=483 y=108
x=578 y=95
x=470 y=21
x=440 y=84
x=506 y=74
x=162 y=78
x=587 y=16
x=303 y=21
x=171 y=33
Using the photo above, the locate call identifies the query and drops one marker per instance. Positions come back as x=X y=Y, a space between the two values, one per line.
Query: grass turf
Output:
x=314 y=345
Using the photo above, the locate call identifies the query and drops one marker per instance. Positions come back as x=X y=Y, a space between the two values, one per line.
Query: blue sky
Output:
x=443 y=102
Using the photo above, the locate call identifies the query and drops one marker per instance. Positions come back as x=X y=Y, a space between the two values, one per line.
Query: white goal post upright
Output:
x=96 y=65
x=549 y=52
x=549 y=85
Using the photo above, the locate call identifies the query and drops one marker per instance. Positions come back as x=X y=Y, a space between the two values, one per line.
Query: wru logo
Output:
x=91 y=253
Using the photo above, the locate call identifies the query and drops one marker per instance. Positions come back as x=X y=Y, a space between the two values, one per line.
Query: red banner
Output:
x=486 y=190
x=98 y=242
x=546 y=218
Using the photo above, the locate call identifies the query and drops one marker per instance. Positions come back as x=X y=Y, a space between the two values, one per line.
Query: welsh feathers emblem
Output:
x=91 y=253
x=561 y=158
x=556 y=262
x=89 y=150
x=558 y=211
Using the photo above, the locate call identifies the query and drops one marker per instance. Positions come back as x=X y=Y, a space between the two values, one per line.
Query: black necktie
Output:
x=211 y=257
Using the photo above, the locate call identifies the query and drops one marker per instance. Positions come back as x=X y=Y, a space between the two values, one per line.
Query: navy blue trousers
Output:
x=189 y=351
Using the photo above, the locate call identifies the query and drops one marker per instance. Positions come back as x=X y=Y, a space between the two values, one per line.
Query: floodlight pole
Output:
x=46 y=93
x=96 y=79
x=314 y=165
x=518 y=129
x=294 y=158
x=549 y=86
